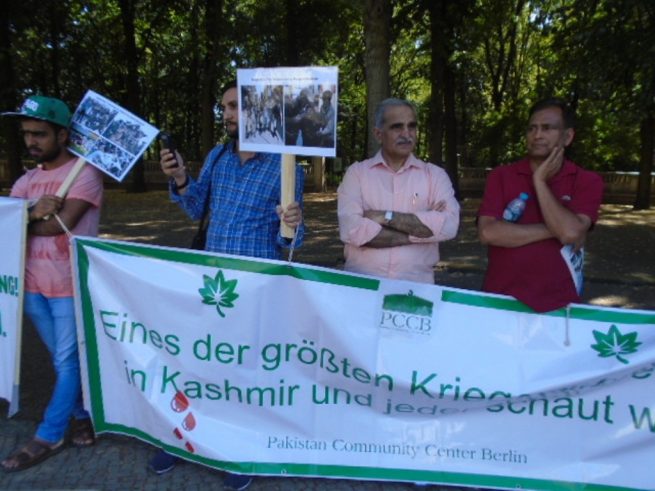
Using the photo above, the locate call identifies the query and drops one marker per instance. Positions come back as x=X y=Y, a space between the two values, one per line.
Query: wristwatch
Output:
x=388 y=216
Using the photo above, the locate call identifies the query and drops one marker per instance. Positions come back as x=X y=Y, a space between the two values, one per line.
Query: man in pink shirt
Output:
x=394 y=209
x=48 y=279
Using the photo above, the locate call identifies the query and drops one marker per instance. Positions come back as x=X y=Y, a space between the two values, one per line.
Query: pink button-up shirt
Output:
x=416 y=188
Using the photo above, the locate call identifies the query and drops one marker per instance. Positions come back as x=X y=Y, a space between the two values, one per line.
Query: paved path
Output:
x=620 y=272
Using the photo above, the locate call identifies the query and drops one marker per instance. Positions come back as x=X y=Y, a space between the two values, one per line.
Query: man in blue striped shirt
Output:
x=242 y=193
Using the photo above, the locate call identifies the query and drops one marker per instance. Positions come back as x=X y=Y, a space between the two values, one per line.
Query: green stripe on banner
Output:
x=366 y=473
x=92 y=354
x=201 y=259
x=576 y=312
x=612 y=316
x=475 y=300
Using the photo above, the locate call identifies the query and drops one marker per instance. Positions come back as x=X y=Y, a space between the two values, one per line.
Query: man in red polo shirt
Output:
x=538 y=258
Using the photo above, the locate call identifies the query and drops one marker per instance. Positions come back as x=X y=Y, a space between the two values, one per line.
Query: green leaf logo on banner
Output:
x=219 y=291
x=615 y=344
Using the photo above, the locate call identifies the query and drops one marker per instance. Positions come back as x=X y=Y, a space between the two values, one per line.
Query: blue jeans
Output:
x=54 y=319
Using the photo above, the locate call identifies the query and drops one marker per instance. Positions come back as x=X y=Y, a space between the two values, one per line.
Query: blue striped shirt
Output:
x=242 y=201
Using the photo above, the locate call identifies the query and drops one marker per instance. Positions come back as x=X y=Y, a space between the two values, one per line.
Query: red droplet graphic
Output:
x=189 y=447
x=177 y=433
x=180 y=402
x=189 y=422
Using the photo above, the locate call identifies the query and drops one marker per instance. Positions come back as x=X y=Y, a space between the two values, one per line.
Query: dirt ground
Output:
x=620 y=265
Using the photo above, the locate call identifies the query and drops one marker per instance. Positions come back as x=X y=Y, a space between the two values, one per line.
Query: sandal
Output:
x=82 y=434
x=34 y=452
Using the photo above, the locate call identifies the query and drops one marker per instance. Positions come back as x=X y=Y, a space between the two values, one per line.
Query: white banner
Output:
x=271 y=368
x=13 y=216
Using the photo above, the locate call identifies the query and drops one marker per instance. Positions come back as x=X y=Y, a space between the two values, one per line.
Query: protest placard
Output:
x=290 y=110
x=108 y=136
x=271 y=368
x=13 y=217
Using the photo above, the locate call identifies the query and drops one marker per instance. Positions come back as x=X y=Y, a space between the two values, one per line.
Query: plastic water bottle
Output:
x=515 y=208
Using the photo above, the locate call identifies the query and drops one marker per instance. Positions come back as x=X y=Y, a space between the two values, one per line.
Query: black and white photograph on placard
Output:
x=288 y=110
x=108 y=136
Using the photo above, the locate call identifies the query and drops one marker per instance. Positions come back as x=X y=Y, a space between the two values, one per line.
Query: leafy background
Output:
x=472 y=66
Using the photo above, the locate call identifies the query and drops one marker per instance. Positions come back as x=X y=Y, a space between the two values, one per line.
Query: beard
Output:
x=232 y=131
x=47 y=156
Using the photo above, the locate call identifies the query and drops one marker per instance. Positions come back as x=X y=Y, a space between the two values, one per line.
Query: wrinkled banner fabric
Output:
x=13 y=216
x=275 y=368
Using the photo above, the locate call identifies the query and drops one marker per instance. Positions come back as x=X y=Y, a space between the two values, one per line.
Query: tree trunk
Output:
x=462 y=135
x=377 y=21
x=132 y=97
x=189 y=144
x=437 y=69
x=642 y=201
x=8 y=97
x=57 y=16
x=443 y=118
x=451 y=129
x=318 y=173
x=294 y=24
x=213 y=9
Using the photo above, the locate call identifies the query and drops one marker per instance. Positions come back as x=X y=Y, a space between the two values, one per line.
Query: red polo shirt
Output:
x=536 y=273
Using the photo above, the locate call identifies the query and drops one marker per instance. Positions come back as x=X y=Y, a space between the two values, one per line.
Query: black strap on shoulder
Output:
x=204 y=222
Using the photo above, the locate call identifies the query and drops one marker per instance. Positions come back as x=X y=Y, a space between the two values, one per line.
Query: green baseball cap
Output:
x=45 y=108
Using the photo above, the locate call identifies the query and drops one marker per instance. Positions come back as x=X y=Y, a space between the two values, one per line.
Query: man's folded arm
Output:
x=507 y=234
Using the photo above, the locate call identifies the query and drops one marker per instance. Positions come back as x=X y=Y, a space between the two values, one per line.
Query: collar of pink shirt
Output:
x=378 y=160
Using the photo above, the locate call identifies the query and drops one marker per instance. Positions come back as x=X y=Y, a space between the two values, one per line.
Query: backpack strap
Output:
x=204 y=221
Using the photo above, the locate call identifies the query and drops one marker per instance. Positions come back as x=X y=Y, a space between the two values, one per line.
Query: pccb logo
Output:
x=407 y=313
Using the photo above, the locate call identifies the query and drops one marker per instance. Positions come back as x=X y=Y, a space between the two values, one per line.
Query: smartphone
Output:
x=167 y=142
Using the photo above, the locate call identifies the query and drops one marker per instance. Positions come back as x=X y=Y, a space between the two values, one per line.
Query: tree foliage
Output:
x=472 y=66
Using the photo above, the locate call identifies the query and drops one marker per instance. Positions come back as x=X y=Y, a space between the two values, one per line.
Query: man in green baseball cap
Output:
x=48 y=297
x=44 y=108
x=44 y=125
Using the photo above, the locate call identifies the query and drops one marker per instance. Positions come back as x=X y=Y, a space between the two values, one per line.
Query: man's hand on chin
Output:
x=551 y=166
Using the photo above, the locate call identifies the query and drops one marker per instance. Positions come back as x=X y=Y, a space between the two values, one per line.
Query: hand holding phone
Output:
x=167 y=142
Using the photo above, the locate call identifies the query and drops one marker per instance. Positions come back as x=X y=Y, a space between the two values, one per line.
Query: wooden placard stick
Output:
x=288 y=189
x=70 y=178
x=65 y=186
